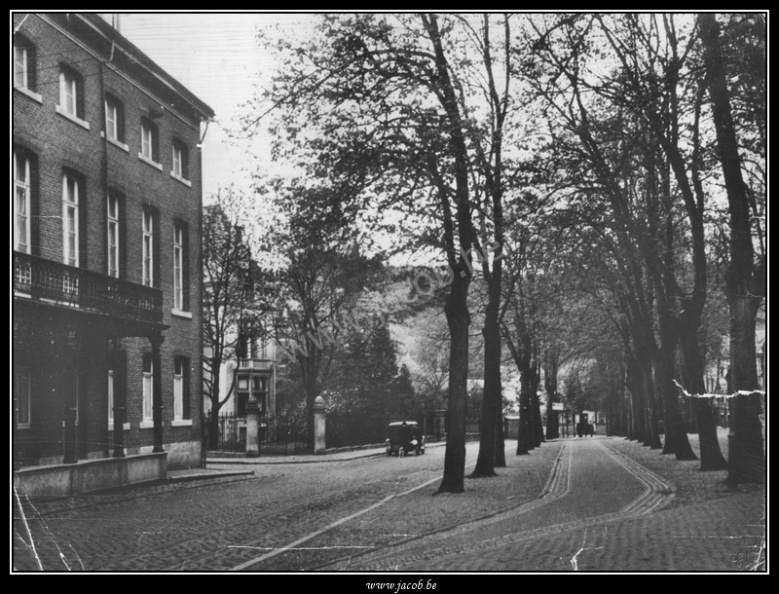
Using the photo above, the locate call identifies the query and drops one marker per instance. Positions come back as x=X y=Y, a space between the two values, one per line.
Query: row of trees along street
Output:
x=585 y=194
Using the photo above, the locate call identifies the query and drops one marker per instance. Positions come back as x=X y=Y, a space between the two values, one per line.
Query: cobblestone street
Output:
x=602 y=515
x=574 y=504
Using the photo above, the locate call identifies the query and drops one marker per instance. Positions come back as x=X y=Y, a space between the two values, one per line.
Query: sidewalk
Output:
x=334 y=455
x=214 y=471
x=339 y=455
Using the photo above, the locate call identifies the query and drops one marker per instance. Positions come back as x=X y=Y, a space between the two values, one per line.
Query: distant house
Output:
x=106 y=258
x=237 y=348
x=251 y=372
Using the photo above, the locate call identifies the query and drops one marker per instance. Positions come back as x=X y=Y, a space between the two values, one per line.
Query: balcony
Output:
x=256 y=364
x=52 y=282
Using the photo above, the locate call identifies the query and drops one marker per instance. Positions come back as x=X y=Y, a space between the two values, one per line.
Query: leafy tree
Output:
x=746 y=275
x=318 y=276
x=404 y=395
x=233 y=298
x=635 y=178
x=391 y=136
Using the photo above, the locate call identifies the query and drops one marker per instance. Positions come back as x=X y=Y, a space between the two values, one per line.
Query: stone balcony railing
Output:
x=257 y=364
x=56 y=283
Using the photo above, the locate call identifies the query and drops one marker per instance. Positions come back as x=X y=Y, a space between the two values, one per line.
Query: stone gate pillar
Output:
x=252 y=427
x=319 y=425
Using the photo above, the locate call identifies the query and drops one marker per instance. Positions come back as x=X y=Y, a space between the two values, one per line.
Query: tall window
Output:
x=179 y=381
x=148 y=248
x=180 y=160
x=179 y=265
x=148 y=387
x=70 y=219
x=71 y=98
x=21 y=202
x=149 y=141
x=24 y=65
x=110 y=396
x=21 y=66
x=113 y=235
x=260 y=389
x=114 y=118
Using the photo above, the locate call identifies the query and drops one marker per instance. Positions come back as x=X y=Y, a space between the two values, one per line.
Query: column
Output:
x=156 y=344
x=120 y=397
x=70 y=397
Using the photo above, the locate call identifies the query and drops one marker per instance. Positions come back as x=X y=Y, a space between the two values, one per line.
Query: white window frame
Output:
x=178 y=389
x=178 y=161
x=148 y=139
x=70 y=216
x=112 y=119
x=69 y=93
x=21 y=203
x=148 y=389
x=178 y=267
x=110 y=397
x=148 y=248
x=112 y=238
x=21 y=67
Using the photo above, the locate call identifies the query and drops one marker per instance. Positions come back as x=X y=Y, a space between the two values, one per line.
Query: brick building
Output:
x=107 y=347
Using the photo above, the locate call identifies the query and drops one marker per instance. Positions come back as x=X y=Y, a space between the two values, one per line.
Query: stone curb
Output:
x=309 y=458
x=207 y=475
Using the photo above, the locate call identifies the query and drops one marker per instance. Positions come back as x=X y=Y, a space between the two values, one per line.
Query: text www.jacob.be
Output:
x=396 y=587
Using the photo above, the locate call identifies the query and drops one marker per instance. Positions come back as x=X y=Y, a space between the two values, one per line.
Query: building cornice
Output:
x=183 y=93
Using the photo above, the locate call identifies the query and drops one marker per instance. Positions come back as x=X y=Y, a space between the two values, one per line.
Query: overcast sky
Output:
x=217 y=57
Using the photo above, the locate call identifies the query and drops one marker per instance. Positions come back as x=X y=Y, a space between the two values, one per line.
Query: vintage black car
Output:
x=405 y=437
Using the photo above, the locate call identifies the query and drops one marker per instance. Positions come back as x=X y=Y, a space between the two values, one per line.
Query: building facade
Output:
x=107 y=346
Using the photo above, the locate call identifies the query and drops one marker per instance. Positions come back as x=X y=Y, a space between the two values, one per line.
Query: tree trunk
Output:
x=485 y=463
x=633 y=385
x=743 y=292
x=500 y=444
x=676 y=441
x=550 y=385
x=213 y=430
x=649 y=416
x=213 y=419
x=711 y=454
x=458 y=319
x=743 y=354
x=524 y=437
x=535 y=403
x=456 y=308
x=552 y=418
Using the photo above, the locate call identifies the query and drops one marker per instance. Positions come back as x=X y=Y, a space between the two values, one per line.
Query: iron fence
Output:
x=277 y=439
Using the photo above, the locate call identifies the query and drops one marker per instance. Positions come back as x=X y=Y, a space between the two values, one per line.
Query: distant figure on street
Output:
x=404 y=435
x=591 y=429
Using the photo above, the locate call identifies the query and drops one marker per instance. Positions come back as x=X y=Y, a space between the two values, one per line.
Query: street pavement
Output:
x=602 y=513
x=598 y=510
